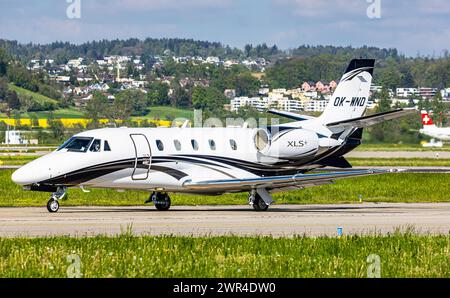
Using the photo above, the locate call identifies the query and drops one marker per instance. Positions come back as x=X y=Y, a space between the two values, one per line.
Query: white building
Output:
x=406 y=92
x=243 y=101
x=15 y=137
x=75 y=62
x=445 y=94
x=290 y=105
x=316 y=106
x=212 y=60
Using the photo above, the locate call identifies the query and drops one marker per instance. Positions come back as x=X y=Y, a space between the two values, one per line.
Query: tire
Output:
x=52 y=206
x=162 y=202
x=259 y=204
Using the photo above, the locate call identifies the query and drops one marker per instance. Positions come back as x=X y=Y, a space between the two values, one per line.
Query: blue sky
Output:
x=412 y=26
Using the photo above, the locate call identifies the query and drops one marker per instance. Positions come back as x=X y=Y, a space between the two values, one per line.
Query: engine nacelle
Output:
x=291 y=144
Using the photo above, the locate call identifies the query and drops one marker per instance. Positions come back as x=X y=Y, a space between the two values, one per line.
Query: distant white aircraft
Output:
x=430 y=129
x=214 y=161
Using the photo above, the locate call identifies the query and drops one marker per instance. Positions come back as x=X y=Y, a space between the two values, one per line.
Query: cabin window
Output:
x=212 y=145
x=177 y=145
x=194 y=145
x=107 y=147
x=95 y=147
x=160 y=145
x=76 y=144
x=233 y=144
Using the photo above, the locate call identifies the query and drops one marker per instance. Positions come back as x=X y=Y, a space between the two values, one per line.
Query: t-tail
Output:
x=351 y=96
x=346 y=108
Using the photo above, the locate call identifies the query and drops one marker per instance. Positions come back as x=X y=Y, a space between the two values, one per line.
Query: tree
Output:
x=97 y=108
x=3 y=63
x=56 y=127
x=210 y=100
x=378 y=132
x=438 y=108
x=127 y=103
x=158 y=94
x=181 y=97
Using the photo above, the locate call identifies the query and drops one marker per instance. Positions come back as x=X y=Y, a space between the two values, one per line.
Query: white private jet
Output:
x=430 y=129
x=214 y=161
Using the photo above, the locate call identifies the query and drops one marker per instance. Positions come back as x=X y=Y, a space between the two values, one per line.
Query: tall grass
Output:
x=402 y=187
x=405 y=255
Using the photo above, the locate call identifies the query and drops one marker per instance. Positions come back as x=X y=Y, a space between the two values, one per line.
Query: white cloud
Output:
x=322 y=8
x=153 y=5
x=47 y=30
x=431 y=6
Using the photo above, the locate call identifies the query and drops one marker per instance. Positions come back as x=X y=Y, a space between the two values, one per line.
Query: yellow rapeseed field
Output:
x=71 y=122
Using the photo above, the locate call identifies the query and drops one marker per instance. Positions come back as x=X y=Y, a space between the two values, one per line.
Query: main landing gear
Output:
x=53 y=204
x=258 y=202
x=161 y=201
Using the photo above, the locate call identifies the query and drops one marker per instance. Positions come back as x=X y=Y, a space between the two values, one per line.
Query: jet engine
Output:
x=290 y=144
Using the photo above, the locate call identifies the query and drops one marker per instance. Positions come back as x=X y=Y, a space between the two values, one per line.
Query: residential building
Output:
x=406 y=92
x=316 y=105
x=426 y=92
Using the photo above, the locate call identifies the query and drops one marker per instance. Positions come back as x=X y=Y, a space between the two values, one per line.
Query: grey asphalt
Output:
x=280 y=220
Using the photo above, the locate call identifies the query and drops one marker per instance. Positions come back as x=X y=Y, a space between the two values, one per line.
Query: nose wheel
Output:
x=53 y=204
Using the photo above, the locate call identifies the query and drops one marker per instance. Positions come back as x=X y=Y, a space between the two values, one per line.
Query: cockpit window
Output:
x=107 y=147
x=95 y=147
x=76 y=144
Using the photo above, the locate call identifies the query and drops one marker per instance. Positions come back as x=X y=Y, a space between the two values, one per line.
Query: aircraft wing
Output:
x=372 y=119
x=290 y=115
x=277 y=182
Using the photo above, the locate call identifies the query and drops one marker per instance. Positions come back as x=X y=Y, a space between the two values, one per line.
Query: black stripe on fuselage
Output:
x=93 y=172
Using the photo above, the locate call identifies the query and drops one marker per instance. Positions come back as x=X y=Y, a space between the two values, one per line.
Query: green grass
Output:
x=401 y=255
x=13 y=160
x=399 y=147
x=405 y=162
x=163 y=113
x=71 y=113
x=402 y=187
x=36 y=96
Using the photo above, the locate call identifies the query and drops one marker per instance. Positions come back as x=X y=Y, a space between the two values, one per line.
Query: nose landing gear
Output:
x=53 y=204
x=161 y=200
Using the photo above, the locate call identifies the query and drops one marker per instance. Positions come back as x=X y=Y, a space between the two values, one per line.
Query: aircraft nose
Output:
x=30 y=174
x=23 y=176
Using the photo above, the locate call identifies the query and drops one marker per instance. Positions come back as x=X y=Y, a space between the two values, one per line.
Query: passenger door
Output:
x=143 y=157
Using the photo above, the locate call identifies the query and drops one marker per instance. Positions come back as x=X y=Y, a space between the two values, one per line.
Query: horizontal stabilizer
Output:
x=372 y=119
x=290 y=115
x=339 y=162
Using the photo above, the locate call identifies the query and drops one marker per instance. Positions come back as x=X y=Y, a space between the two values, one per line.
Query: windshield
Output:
x=76 y=144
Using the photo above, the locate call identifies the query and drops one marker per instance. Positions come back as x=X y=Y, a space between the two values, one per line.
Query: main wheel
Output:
x=162 y=202
x=52 y=206
x=259 y=204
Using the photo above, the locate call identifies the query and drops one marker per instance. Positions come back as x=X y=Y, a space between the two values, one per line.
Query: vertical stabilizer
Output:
x=350 y=98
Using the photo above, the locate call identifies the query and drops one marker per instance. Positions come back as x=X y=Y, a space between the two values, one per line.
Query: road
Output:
x=310 y=220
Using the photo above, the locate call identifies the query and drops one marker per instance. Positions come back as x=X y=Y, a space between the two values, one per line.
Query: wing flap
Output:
x=367 y=121
x=301 y=180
